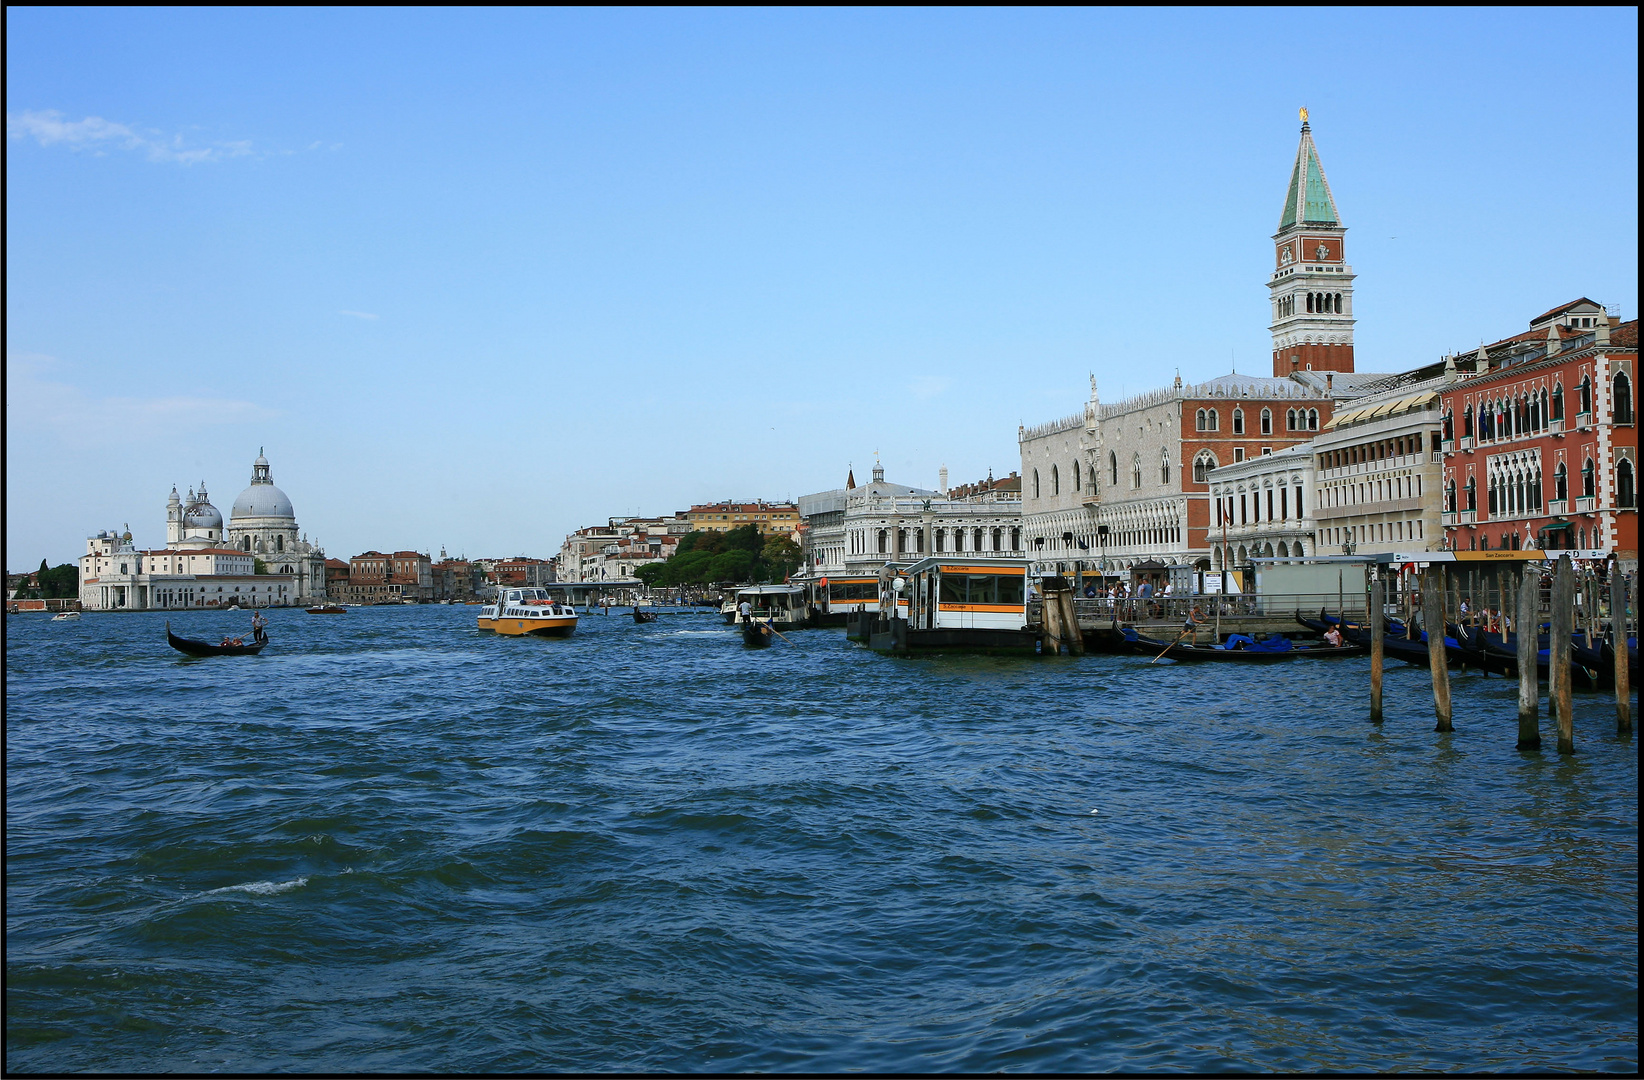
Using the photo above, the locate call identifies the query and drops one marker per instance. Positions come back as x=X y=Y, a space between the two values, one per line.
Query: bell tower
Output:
x=1312 y=286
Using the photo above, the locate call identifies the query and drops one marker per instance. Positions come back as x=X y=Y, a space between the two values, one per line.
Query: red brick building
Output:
x=1541 y=443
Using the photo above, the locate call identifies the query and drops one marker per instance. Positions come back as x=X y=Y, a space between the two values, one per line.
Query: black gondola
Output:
x=644 y=616
x=756 y=635
x=205 y=648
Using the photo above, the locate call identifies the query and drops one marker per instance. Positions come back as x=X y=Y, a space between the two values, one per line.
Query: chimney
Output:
x=1330 y=382
x=942 y=480
x=1553 y=342
x=1601 y=333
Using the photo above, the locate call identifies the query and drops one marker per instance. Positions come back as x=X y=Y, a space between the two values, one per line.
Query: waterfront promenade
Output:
x=394 y=843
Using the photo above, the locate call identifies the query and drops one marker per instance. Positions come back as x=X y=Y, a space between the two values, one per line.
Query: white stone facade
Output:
x=858 y=530
x=1379 y=474
x=1261 y=509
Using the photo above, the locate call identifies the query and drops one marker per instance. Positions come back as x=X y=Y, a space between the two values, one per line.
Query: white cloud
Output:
x=44 y=405
x=98 y=136
x=930 y=386
x=358 y=314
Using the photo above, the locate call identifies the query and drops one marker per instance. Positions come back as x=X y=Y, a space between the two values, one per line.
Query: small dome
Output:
x=202 y=515
x=262 y=500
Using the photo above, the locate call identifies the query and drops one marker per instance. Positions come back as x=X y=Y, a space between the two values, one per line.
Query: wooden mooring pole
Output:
x=1558 y=656
x=1376 y=631
x=1070 y=623
x=1050 y=618
x=1525 y=625
x=1618 y=638
x=1432 y=617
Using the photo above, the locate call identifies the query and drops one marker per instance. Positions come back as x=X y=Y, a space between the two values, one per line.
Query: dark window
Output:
x=1624 y=483
x=1623 y=399
x=1587 y=479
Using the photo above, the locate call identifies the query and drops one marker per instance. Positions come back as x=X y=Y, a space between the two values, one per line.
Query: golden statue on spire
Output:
x=1304 y=114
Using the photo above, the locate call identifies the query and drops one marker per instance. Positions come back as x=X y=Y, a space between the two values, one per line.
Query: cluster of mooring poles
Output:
x=1060 y=622
x=1435 y=585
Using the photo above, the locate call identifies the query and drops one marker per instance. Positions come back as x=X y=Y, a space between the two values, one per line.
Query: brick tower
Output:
x=1312 y=285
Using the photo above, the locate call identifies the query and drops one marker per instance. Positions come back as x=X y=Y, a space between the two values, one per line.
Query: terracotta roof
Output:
x=1562 y=308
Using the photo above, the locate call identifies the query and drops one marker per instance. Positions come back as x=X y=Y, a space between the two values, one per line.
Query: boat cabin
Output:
x=531 y=604
x=955 y=604
x=781 y=605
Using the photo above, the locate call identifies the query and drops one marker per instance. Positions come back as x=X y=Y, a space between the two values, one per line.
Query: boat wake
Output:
x=261 y=888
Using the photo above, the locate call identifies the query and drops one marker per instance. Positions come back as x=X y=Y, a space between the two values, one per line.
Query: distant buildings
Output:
x=616 y=550
x=772 y=519
x=374 y=577
x=857 y=530
x=259 y=560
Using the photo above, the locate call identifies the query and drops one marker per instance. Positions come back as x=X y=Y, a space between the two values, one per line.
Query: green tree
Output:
x=735 y=565
x=780 y=557
x=258 y=566
x=652 y=574
x=59 y=582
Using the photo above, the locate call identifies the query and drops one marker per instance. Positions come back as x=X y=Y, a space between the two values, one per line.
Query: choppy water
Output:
x=391 y=843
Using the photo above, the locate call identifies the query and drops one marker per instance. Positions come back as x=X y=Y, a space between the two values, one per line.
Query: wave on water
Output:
x=261 y=888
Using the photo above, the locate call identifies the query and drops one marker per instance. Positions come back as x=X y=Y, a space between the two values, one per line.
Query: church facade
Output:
x=206 y=564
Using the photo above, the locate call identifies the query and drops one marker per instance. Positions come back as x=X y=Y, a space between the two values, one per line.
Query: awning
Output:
x=1554 y=526
x=1420 y=399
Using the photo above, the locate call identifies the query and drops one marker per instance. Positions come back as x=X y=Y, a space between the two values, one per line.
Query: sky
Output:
x=475 y=278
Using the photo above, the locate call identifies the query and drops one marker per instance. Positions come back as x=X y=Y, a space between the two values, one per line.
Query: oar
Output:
x=1172 y=645
x=772 y=628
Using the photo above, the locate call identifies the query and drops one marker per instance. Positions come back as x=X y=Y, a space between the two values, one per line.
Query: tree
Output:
x=735 y=565
x=258 y=566
x=780 y=556
x=652 y=573
x=59 y=582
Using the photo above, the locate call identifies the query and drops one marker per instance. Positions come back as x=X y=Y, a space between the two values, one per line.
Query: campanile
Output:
x=1312 y=285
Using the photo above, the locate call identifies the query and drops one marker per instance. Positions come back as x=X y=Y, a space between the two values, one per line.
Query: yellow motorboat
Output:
x=528 y=611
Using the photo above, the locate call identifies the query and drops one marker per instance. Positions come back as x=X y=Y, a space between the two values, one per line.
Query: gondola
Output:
x=205 y=648
x=1240 y=649
x=644 y=616
x=756 y=635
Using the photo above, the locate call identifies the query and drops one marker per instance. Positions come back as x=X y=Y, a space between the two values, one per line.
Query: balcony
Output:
x=1558 y=507
x=1466 y=442
x=1584 y=421
x=1468 y=517
x=1447 y=445
x=1556 y=427
x=1585 y=504
x=1448 y=518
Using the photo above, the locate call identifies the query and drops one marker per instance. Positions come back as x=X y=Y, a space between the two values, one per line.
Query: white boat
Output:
x=781 y=606
x=528 y=611
x=65 y=616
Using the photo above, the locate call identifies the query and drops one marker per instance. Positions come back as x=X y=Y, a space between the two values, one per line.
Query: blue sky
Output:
x=476 y=278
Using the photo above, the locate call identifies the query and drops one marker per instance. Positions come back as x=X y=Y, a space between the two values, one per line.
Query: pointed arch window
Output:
x=1055 y=480
x=1472 y=494
x=1449 y=426
x=1558 y=402
x=1202 y=466
x=1561 y=483
x=1623 y=409
x=1450 y=496
x=1587 y=479
x=1136 y=469
x=1467 y=422
x=1624 y=493
x=1164 y=467
x=1584 y=396
x=1078 y=484
x=1113 y=468
x=1036 y=483
x=1312 y=419
x=1267 y=421
x=1238 y=421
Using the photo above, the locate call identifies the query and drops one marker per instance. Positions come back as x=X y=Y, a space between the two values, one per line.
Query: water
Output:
x=393 y=843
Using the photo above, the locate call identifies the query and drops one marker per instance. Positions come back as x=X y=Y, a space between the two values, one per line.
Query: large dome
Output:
x=262 y=500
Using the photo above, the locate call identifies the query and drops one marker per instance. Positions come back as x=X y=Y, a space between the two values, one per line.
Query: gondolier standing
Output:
x=257 y=624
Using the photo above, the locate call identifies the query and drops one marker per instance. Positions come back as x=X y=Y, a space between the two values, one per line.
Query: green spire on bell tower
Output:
x=1309 y=201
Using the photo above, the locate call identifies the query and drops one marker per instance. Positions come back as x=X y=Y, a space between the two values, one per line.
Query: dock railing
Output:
x=1137 y=609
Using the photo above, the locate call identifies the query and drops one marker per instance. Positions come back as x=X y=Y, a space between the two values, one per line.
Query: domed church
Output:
x=263 y=522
